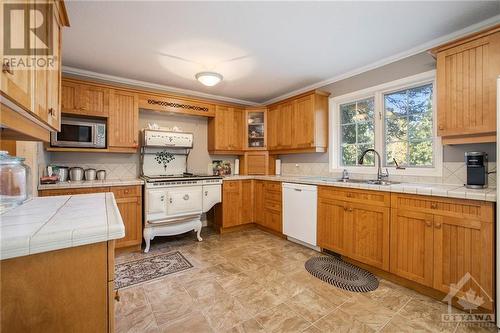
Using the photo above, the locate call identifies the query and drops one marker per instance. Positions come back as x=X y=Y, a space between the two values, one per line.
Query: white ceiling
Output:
x=263 y=49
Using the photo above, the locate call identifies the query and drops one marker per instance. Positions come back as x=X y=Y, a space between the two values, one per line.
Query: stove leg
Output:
x=198 y=231
x=147 y=239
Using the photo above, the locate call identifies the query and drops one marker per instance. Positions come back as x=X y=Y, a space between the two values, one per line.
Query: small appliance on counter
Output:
x=14 y=184
x=477 y=169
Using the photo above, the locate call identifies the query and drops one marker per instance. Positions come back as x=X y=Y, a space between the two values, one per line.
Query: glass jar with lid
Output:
x=14 y=181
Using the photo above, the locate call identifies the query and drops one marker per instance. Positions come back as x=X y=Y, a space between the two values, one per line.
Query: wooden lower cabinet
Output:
x=359 y=231
x=412 y=245
x=129 y=202
x=237 y=203
x=66 y=290
x=440 y=242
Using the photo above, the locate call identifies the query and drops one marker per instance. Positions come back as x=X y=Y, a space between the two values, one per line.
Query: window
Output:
x=396 y=119
x=357 y=130
x=408 y=127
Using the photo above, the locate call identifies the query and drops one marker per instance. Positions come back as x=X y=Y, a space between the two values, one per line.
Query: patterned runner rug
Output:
x=138 y=271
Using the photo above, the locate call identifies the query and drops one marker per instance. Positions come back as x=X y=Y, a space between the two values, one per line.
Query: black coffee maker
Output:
x=477 y=169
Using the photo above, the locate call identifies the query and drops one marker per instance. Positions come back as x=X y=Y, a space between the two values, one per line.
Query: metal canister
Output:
x=101 y=174
x=90 y=174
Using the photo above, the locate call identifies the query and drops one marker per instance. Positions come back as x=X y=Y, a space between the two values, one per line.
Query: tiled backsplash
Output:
x=113 y=170
x=453 y=173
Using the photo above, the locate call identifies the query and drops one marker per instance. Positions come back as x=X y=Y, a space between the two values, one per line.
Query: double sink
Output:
x=352 y=181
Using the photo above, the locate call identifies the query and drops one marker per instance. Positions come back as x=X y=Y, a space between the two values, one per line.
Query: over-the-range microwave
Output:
x=80 y=133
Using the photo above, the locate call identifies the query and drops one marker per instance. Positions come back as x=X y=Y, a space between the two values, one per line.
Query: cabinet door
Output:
x=231 y=203
x=41 y=75
x=332 y=225
x=246 y=201
x=123 y=120
x=235 y=127
x=272 y=220
x=368 y=234
x=285 y=123
x=466 y=79
x=69 y=98
x=412 y=245
x=463 y=255
x=54 y=79
x=272 y=127
x=17 y=83
x=220 y=137
x=259 y=202
x=131 y=212
x=93 y=100
x=303 y=122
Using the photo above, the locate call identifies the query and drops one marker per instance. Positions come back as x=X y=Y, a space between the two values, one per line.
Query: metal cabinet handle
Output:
x=428 y=223
x=117 y=296
x=438 y=225
x=51 y=111
x=6 y=68
x=434 y=205
x=350 y=209
x=162 y=198
x=170 y=200
x=206 y=193
x=186 y=197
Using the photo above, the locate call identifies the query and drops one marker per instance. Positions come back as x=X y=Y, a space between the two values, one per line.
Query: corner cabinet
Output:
x=467 y=71
x=237 y=203
x=299 y=124
x=226 y=131
x=30 y=103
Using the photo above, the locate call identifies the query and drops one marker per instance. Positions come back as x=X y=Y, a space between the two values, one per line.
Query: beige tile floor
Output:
x=252 y=281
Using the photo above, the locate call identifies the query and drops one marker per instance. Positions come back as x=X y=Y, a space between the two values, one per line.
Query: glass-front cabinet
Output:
x=256 y=129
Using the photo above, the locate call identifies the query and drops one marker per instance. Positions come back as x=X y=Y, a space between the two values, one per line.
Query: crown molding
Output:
x=143 y=84
x=402 y=55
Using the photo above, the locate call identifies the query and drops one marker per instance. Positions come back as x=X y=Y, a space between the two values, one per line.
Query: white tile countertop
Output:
x=92 y=183
x=45 y=224
x=439 y=190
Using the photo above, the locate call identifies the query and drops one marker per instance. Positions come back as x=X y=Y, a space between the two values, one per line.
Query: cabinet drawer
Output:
x=273 y=205
x=367 y=197
x=73 y=191
x=460 y=208
x=232 y=185
x=272 y=196
x=126 y=191
x=273 y=186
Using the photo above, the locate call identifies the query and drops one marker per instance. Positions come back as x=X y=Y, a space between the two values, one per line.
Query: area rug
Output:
x=138 y=271
x=341 y=274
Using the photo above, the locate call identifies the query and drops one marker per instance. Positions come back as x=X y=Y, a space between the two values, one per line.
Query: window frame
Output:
x=378 y=92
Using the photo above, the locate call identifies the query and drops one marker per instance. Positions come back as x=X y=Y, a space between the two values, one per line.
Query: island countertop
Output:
x=45 y=224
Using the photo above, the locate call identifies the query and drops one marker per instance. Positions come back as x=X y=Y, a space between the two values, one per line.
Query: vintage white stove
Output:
x=174 y=199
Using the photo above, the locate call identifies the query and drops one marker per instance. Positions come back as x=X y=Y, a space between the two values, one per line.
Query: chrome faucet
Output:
x=380 y=174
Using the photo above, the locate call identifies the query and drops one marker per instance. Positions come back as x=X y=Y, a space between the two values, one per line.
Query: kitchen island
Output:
x=57 y=264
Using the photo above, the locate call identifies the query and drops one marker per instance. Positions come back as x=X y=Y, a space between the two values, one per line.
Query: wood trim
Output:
x=463 y=139
x=179 y=105
x=15 y=126
x=289 y=99
x=93 y=150
x=465 y=39
x=298 y=151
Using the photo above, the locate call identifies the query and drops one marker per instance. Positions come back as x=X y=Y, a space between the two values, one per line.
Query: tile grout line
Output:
x=395 y=314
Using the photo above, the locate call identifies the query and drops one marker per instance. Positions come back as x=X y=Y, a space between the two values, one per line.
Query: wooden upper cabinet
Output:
x=17 y=83
x=54 y=79
x=466 y=88
x=84 y=99
x=225 y=130
x=299 y=124
x=412 y=245
x=123 y=121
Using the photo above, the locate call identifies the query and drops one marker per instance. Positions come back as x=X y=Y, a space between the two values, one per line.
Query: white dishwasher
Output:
x=300 y=212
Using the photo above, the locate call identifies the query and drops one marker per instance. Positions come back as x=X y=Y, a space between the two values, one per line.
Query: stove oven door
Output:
x=156 y=204
x=185 y=200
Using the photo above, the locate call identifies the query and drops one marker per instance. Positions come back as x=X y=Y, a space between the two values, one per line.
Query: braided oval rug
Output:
x=341 y=274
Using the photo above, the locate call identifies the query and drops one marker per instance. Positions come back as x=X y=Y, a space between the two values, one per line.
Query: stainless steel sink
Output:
x=359 y=181
x=371 y=181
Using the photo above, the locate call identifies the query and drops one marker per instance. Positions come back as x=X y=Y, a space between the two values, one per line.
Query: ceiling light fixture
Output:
x=209 y=79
